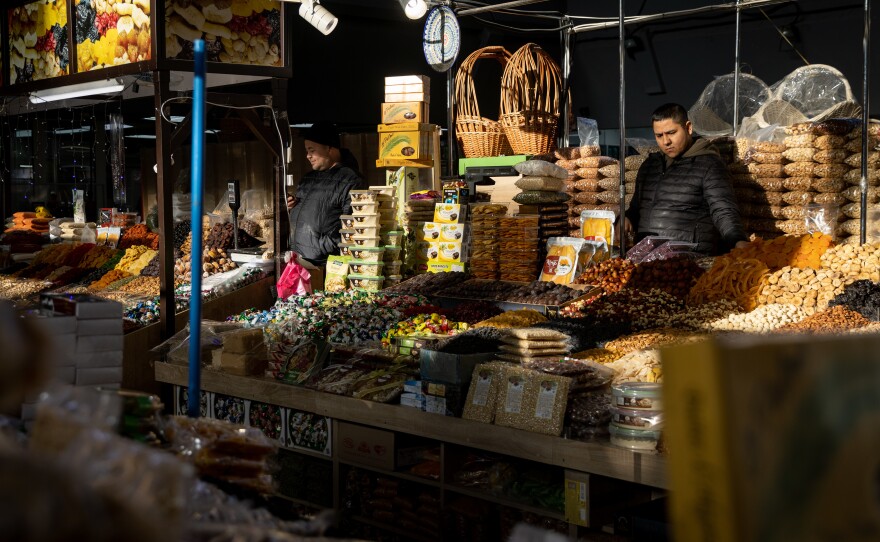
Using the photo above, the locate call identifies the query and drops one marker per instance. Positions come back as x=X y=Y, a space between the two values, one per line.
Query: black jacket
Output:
x=688 y=198
x=322 y=197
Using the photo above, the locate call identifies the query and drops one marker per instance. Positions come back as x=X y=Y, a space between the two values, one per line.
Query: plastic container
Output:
x=638 y=395
x=361 y=267
x=366 y=254
x=359 y=208
x=347 y=221
x=637 y=419
x=393 y=238
x=392 y=280
x=347 y=235
x=366 y=231
x=634 y=439
x=389 y=191
x=363 y=196
x=355 y=221
x=388 y=206
x=392 y=253
x=367 y=242
x=392 y=268
x=386 y=226
x=370 y=283
x=345 y=248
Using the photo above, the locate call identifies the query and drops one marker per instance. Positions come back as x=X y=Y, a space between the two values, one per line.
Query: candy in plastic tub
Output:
x=360 y=267
x=392 y=253
x=638 y=395
x=393 y=238
x=364 y=196
x=637 y=418
x=359 y=208
x=347 y=235
x=367 y=254
x=345 y=249
x=369 y=283
x=634 y=439
x=366 y=231
x=367 y=241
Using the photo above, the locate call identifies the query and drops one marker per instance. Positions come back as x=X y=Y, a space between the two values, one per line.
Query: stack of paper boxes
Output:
x=442 y=244
x=84 y=342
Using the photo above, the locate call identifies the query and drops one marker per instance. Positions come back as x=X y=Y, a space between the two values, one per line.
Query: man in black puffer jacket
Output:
x=684 y=192
x=322 y=195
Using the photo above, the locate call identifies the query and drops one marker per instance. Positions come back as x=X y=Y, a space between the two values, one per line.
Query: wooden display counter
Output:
x=589 y=457
x=137 y=364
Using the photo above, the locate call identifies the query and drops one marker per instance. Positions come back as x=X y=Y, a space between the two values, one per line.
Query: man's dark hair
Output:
x=670 y=111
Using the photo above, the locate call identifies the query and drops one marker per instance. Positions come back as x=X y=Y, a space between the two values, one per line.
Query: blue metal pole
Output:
x=195 y=300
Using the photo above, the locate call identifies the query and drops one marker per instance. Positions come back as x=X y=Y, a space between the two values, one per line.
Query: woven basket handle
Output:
x=531 y=82
x=465 y=93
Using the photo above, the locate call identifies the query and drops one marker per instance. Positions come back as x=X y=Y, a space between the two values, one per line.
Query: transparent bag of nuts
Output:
x=821 y=218
x=800 y=140
x=830 y=170
x=829 y=142
x=798 y=183
x=830 y=156
x=827 y=184
x=799 y=154
x=855 y=160
x=767 y=170
x=798 y=198
x=800 y=169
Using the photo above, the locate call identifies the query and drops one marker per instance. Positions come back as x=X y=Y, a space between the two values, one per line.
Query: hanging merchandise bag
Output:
x=295 y=279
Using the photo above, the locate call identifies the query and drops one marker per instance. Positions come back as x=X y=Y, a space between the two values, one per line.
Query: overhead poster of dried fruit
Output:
x=38 y=41
x=235 y=31
x=110 y=33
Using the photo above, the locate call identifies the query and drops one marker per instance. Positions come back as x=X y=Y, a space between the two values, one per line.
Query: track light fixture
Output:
x=81 y=90
x=316 y=15
x=414 y=9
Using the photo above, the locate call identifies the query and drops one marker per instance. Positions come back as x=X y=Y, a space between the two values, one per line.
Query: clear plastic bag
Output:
x=672 y=249
x=588 y=132
x=540 y=168
x=643 y=248
x=643 y=146
x=712 y=114
x=821 y=218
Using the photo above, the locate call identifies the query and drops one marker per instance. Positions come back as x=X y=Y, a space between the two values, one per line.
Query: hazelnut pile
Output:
x=674 y=276
x=834 y=320
x=610 y=275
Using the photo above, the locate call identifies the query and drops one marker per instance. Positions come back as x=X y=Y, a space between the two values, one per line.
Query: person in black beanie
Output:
x=322 y=195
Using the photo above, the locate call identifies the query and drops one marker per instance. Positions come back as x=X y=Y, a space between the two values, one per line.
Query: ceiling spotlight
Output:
x=316 y=15
x=414 y=9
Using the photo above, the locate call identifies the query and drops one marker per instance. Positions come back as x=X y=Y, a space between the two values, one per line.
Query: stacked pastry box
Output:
x=636 y=415
x=485 y=239
x=519 y=247
x=441 y=245
x=407 y=98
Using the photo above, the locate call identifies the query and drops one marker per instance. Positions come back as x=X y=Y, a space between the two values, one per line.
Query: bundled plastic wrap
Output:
x=811 y=93
x=712 y=114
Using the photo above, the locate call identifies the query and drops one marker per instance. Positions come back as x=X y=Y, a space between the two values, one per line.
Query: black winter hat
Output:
x=323 y=133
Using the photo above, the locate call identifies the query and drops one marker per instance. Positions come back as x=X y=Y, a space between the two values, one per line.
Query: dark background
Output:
x=340 y=77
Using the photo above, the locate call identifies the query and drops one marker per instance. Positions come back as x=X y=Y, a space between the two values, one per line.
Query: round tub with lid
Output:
x=634 y=439
x=638 y=395
x=347 y=235
x=637 y=418
x=366 y=231
x=345 y=248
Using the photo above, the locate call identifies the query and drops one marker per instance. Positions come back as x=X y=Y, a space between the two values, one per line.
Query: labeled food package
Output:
x=598 y=225
x=562 y=264
x=482 y=394
x=546 y=184
x=368 y=283
x=644 y=247
x=532 y=400
x=449 y=213
x=434 y=231
x=449 y=251
x=361 y=267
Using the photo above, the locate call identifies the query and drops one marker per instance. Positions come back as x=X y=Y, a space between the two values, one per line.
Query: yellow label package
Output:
x=449 y=252
x=452 y=233
x=449 y=213
x=337 y=272
x=562 y=265
x=437 y=267
x=425 y=251
x=431 y=232
x=598 y=226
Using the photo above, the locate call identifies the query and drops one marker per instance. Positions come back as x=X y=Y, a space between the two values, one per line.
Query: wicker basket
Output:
x=477 y=135
x=530 y=96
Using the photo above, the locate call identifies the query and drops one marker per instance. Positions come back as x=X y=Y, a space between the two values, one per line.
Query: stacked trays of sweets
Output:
x=361 y=239
x=519 y=247
x=392 y=236
x=484 y=258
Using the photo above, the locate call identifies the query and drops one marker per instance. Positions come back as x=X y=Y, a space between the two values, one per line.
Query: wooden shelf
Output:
x=591 y=457
x=505 y=501
x=300 y=502
x=395 y=474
